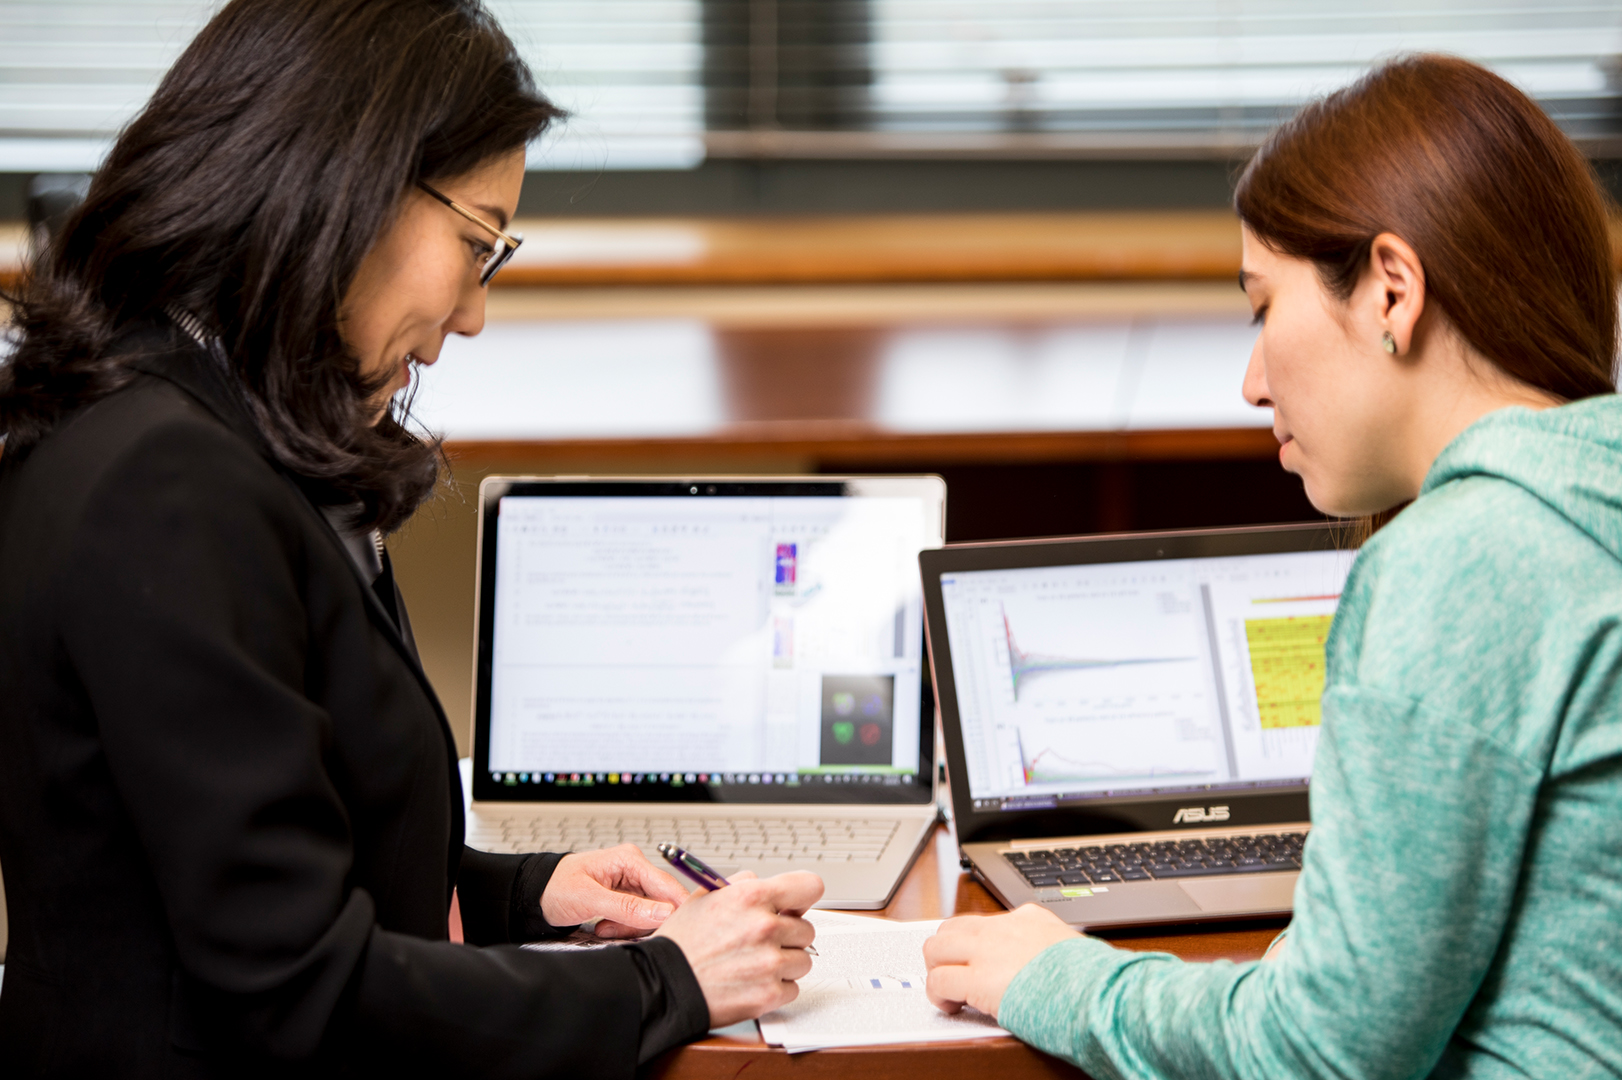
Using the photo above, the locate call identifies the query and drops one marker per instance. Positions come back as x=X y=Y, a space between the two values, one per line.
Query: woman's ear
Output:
x=1399 y=282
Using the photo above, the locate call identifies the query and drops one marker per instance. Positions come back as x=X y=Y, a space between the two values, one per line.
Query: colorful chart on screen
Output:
x=1129 y=678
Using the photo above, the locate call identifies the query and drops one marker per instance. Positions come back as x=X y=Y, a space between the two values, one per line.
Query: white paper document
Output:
x=866 y=988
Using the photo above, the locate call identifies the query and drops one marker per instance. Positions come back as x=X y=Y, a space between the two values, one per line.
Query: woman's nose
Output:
x=1255 y=384
x=467 y=318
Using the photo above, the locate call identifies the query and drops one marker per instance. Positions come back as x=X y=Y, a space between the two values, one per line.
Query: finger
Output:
x=790 y=991
x=743 y=875
x=946 y=948
x=964 y=924
x=794 y=892
x=1034 y=911
x=948 y=987
x=638 y=875
x=607 y=928
x=631 y=910
x=793 y=932
x=796 y=964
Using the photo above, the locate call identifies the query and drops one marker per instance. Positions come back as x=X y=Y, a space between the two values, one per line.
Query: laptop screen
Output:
x=743 y=645
x=1121 y=680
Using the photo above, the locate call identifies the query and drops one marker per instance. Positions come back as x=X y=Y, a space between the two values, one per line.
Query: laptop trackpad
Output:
x=1259 y=892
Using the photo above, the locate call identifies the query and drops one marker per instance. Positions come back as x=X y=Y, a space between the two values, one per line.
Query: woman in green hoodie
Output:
x=1429 y=260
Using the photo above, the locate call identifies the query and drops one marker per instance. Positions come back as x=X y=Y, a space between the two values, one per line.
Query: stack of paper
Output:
x=866 y=988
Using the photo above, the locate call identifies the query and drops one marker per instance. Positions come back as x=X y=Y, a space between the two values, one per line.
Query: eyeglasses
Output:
x=506 y=243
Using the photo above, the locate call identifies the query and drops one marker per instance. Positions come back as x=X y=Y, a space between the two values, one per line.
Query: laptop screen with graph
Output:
x=1139 y=679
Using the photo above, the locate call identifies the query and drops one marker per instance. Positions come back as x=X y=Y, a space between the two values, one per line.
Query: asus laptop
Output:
x=732 y=665
x=1130 y=721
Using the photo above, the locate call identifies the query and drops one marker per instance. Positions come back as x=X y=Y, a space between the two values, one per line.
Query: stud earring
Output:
x=1388 y=343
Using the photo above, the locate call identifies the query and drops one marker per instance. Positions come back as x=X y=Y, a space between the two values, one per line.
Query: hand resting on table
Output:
x=973 y=958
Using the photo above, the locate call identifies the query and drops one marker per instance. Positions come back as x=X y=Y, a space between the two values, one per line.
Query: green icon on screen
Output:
x=844 y=731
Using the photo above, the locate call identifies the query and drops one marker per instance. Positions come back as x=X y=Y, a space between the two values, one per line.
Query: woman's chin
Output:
x=1339 y=504
x=1324 y=499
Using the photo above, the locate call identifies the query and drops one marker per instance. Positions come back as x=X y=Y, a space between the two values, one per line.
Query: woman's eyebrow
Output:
x=495 y=212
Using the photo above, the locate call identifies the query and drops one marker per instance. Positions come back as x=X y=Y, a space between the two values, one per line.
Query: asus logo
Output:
x=1195 y=814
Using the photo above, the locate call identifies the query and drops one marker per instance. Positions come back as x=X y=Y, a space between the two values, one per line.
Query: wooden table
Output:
x=936 y=887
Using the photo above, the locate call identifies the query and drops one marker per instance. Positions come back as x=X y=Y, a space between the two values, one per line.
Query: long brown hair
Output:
x=1503 y=211
x=268 y=162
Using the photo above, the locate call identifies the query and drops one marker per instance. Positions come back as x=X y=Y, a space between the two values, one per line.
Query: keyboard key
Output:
x=1190 y=870
x=1189 y=857
x=1205 y=871
x=719 y=839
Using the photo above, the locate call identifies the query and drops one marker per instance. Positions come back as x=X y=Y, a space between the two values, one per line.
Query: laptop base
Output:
x=1137 y=903
x=850 y=886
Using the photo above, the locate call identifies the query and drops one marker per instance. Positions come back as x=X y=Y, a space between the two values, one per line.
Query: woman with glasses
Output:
x=230 y=818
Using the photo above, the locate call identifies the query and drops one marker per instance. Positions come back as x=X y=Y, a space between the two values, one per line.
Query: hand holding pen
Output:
x=693 y=867
x=703 y=875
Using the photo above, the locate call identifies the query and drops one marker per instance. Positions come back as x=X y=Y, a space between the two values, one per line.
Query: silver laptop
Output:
x=732 y=665
x=1130 y=721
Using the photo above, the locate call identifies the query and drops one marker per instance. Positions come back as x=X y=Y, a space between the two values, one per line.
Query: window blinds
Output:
x=658 y=83
x=1170 y=73
x=73 y=72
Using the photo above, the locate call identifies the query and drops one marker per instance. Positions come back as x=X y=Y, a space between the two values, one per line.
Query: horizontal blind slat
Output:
x=630 y=71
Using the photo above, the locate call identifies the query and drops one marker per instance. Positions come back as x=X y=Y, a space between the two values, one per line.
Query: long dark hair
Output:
x=271 y=158
x=1502 y=209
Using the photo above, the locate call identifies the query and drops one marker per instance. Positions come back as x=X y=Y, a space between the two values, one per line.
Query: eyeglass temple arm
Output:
x=512 y=241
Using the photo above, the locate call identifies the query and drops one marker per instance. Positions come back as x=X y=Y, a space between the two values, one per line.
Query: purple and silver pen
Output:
x=692 y=866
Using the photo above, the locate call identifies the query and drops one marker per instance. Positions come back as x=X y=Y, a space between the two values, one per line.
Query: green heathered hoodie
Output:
x=1459 y=911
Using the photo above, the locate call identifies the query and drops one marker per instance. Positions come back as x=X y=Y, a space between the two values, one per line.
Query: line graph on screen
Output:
x=1024 y=666
x=1048 y=765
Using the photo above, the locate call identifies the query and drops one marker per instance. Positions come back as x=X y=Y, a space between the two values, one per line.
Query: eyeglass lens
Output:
x=498 y=258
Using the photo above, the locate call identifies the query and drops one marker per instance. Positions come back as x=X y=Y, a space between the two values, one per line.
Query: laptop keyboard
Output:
x=819 y=840
x=1107 y=863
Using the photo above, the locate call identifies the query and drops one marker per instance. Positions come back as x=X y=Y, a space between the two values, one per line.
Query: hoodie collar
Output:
x=1569 y=456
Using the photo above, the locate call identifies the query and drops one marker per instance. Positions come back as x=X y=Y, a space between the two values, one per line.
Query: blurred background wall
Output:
x=987 y=241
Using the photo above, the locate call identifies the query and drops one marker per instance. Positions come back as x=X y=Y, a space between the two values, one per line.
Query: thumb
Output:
x=637 y=911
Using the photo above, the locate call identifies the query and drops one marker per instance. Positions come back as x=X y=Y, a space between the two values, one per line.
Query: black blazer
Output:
x=230 y=816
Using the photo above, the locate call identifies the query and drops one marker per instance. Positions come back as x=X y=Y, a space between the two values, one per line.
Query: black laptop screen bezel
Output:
x=1104 y=815
x=858 y=789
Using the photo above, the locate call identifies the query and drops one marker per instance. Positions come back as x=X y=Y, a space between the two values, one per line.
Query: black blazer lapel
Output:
x=166 y=352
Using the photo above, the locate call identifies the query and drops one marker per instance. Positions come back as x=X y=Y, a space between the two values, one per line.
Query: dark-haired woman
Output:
x=230 y=817
x=1429 y=259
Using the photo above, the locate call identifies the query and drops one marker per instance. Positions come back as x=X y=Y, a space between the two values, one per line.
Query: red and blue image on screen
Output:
x=788 y=568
